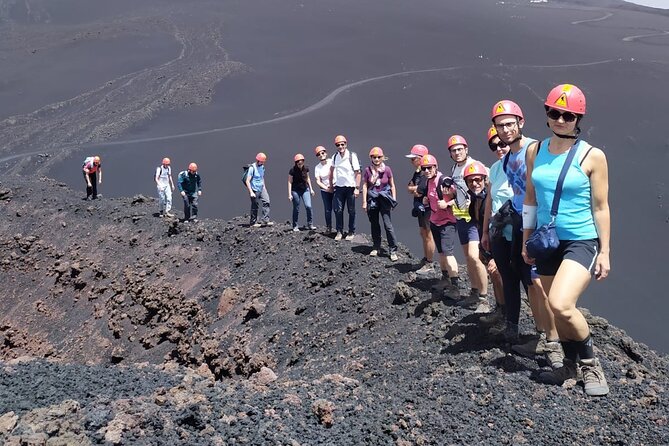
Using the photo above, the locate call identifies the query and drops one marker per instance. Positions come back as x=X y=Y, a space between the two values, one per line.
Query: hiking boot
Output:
x=256 y=225
x=328 y=231
x=426 y=268
x=594 y=381
x=311 y=227
x=269 y=223
x=554 y=354
x=483 y=306
x=393 y=256
x=349 y=236
x=194 y=220
x=535 y=346
x=296 y=229
x=374 y=253
x=494 y=317
x=471 y=301
x=169 y=214
x=558 y=376
x=338 y=236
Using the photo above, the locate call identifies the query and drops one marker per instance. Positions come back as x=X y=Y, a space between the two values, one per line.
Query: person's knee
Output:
x=561 y=310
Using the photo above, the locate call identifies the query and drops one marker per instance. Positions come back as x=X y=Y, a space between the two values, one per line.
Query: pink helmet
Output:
x=457 y=139
x=506 y=107
x=492 y=132
x=418 y=151
x=319 y=149
x=566 y=97
x=339 y=138
x=298 y=157
x=475 y=168
x=429 y=160
x=261 y=157
x=376 y=151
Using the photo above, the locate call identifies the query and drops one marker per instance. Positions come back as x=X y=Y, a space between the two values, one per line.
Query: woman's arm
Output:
x=599 y=186
x=393 y=191
x=311 y=189
x=290 y=187
x=530 y=196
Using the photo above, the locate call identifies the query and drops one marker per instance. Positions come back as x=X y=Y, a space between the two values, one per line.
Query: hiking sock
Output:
x=570 y=349
x=444 y=274
x=474 y=292
x=455 y=280
x=585 y=348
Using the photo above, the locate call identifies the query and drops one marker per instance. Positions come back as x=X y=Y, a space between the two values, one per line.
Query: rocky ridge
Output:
x=118 y=327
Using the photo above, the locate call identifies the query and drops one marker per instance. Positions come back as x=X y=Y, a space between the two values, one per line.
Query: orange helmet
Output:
x=429 y=160
x=506 y=107
x=566 y=97
x=340 y=138
x=376 y=151
x=96 y=159
x=492 y=132
x=192 y=167
x=475 y=168
x=166 y=161
x=261 y=157
x=319 y=149
x=418 y=151
x=298 y=157
x=456 y=139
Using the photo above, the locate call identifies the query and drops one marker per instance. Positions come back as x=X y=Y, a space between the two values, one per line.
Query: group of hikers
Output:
x=499 y=215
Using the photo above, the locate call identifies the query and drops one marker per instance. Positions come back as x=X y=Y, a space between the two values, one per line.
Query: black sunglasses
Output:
x=566 y=116
x=340 y=144
x=426 y=168
x=493 y=146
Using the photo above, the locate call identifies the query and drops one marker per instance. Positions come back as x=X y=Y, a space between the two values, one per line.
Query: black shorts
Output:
x=583 y=252
x=444 y=238
x=424 y=220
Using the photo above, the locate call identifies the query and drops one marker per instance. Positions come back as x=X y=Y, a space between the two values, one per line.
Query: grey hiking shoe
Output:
x=594 y=381
x=393 y=257
x=558 y=376
x=374 y=252
x=494 y=317
x=533 y=347
x=554 y=354
x=426 y=267
x=338 y=236
x=350 y=236
x=483 y=306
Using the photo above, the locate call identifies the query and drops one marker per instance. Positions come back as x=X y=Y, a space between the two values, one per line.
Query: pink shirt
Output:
x=438 y=216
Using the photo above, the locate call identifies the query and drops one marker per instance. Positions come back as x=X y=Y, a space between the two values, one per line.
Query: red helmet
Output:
x=192 y=167
x=566 y=97
x=319 y=149
x=298 y=157
x=492 y=132
x=506 y=107
x=418 y=151
x=261 y=157
x=166 y=161
x=340 y=138
x=456 y=139
x=475 y=168
x=429 y=160
x=376 y=151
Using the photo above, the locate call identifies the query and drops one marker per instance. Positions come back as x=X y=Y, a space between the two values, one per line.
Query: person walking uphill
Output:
x=300 y=190
x=165 y=185
x=345 y=176
x=255 y=184
x=322 y=174
x=583 y=225
x=417 y=187
x=379 y=198
x=93 y=176
x=190 y=187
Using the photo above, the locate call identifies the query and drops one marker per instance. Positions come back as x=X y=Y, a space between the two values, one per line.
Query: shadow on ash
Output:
x=119 y=327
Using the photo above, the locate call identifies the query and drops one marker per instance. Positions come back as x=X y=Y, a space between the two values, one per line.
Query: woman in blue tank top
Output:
x=582 y=225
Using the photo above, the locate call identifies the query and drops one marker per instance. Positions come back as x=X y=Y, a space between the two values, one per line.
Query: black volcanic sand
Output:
x=211 y=66
x=118 y=327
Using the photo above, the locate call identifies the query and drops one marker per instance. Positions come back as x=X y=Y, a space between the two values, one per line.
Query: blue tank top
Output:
x=574 y=220
x=516 y=174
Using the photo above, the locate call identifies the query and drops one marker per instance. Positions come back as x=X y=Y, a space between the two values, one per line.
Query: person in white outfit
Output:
x=165 y=185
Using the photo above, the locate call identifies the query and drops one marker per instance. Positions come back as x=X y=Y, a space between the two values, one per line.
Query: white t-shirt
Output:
x=457 y=173
x=322 y=172
x=163 y=175
x=344 y=173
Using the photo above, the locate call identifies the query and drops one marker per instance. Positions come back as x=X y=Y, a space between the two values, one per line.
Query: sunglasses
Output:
x=376 y=157
x=340 y=144
x=426 y=168
x=322 y=152
x=556 y=114
x=494 y=146
x=475 y=179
